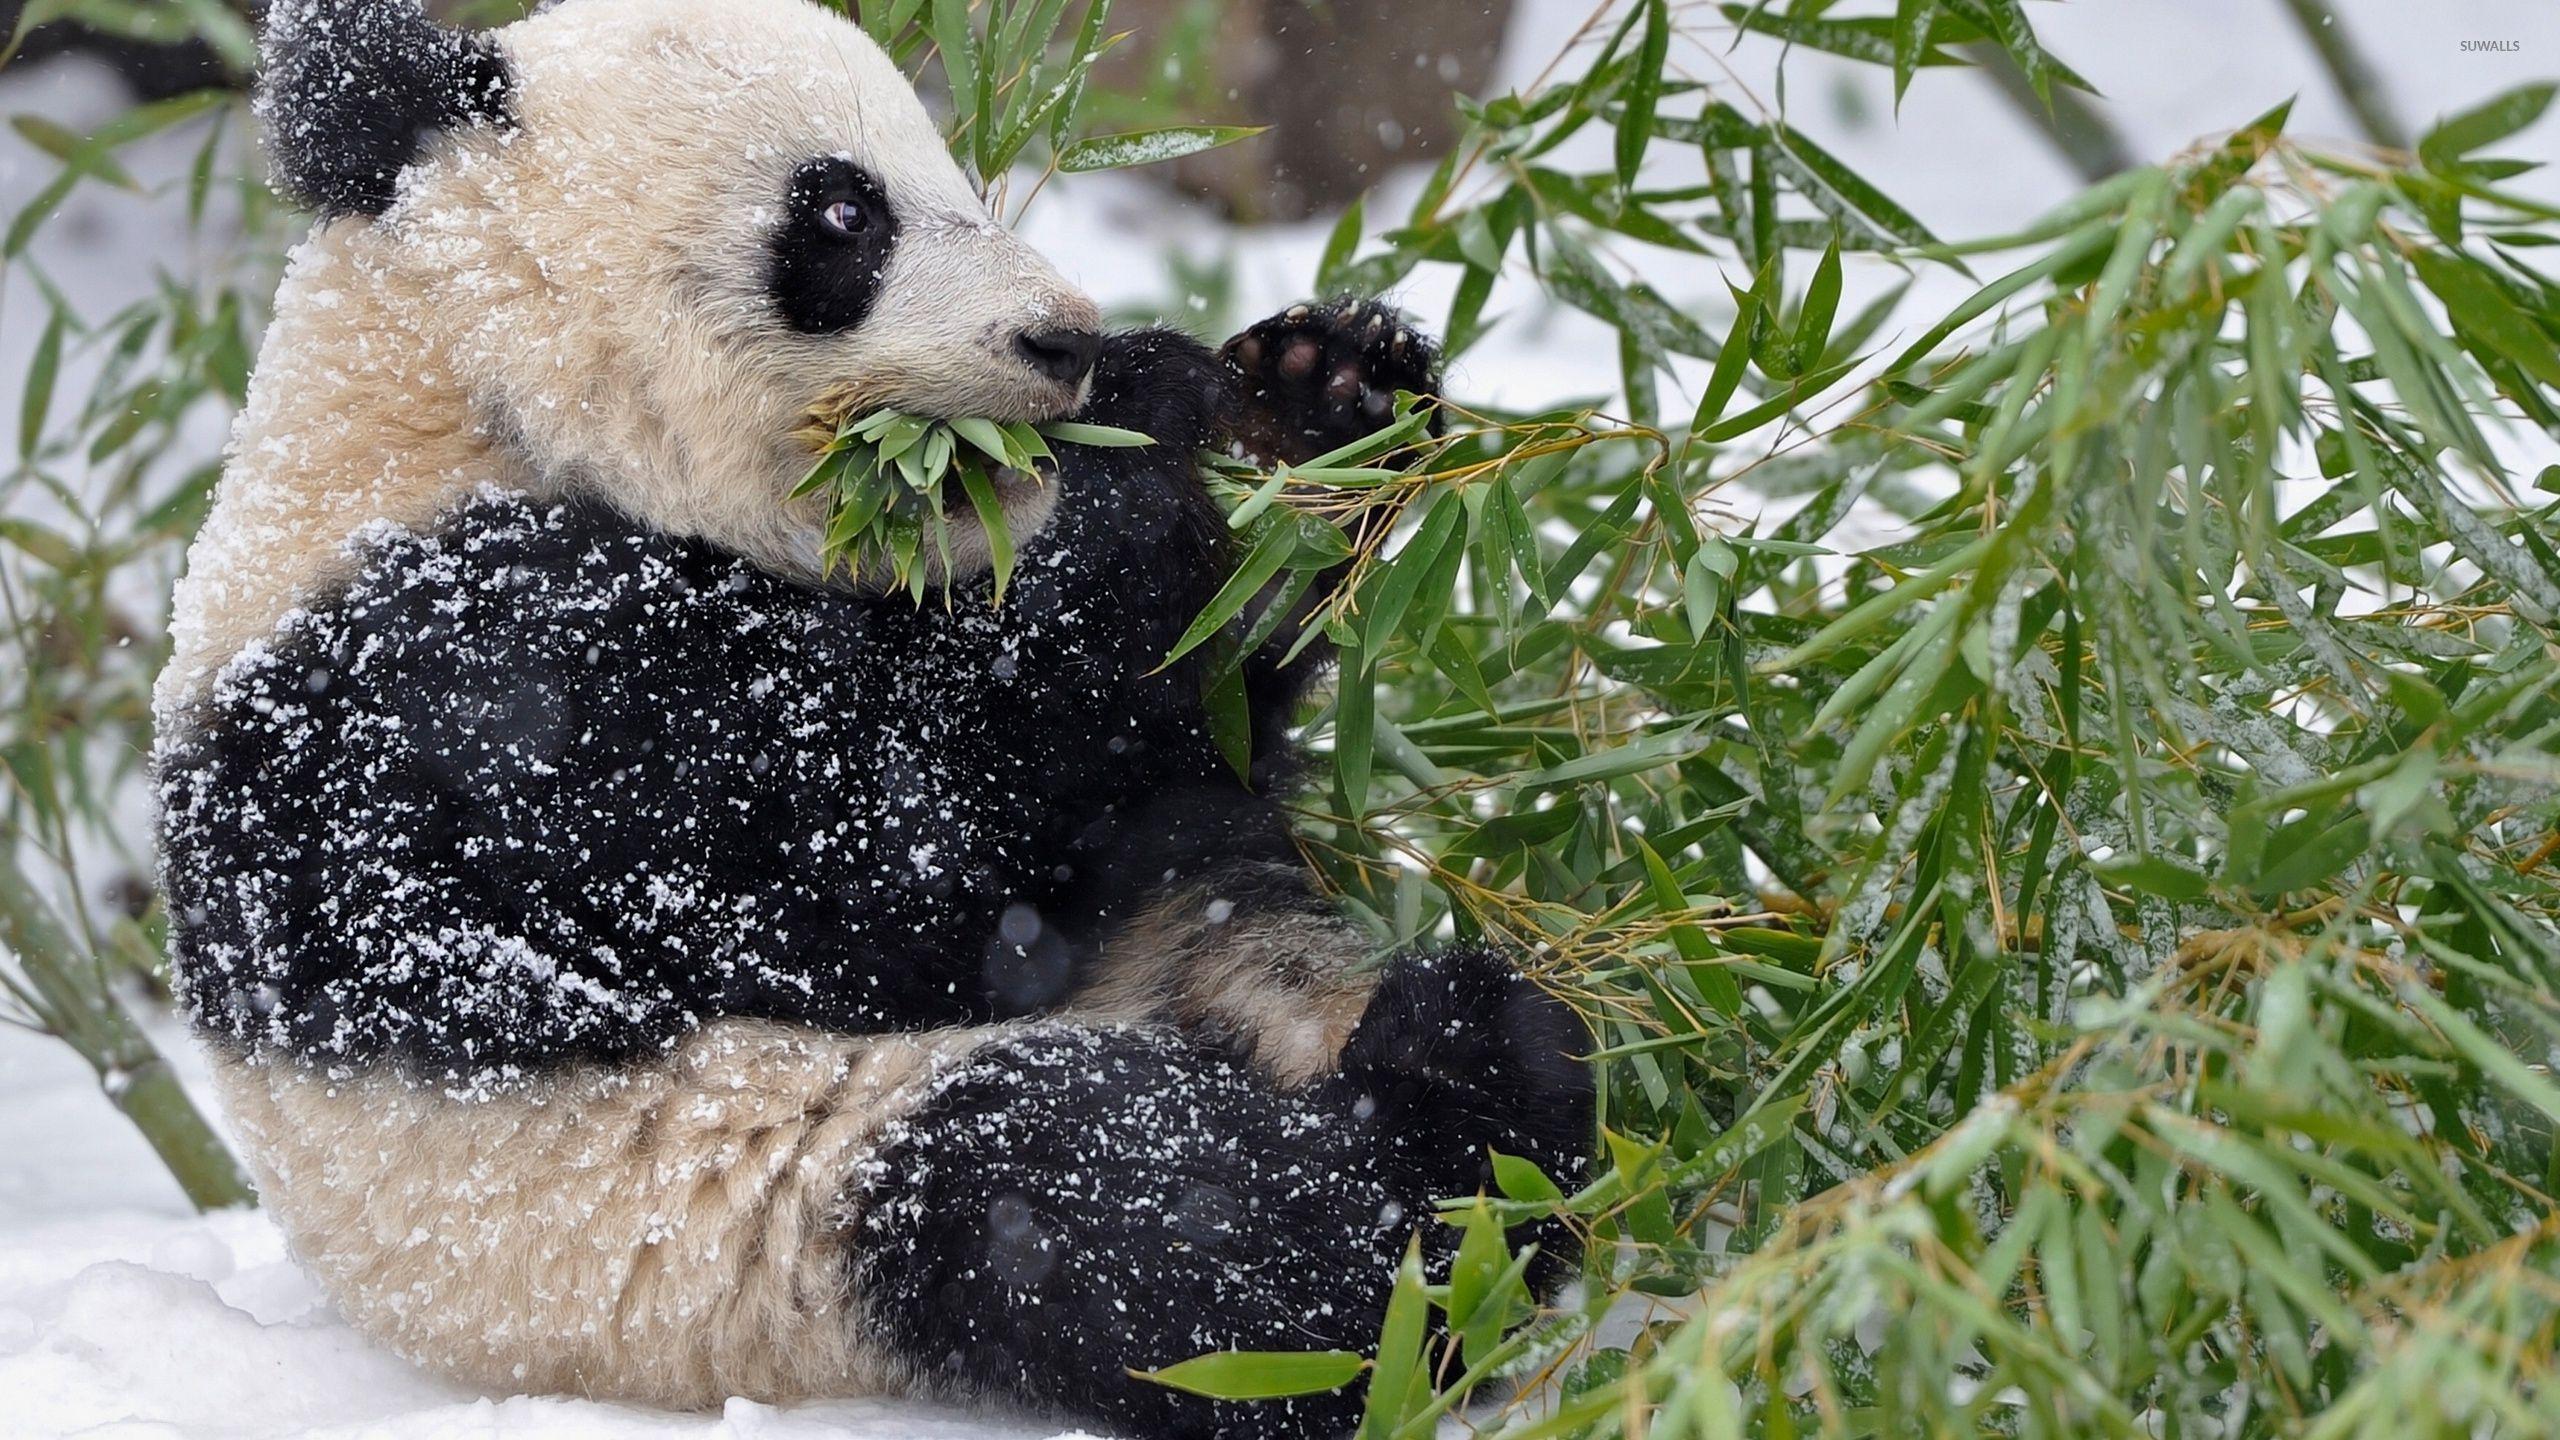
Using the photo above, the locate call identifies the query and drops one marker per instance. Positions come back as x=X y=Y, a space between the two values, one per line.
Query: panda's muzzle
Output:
x=972 y=322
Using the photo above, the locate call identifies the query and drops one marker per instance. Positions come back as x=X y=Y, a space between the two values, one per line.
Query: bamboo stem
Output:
x=2082 y=132
x=70 y=998
x=2349 y=72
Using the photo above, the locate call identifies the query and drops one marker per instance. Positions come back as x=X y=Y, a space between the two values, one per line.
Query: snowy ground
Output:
x=121 y=1314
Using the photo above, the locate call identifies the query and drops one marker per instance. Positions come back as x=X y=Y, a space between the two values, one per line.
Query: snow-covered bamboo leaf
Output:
x=1149 y=147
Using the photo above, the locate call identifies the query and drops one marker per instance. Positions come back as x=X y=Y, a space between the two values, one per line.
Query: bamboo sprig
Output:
x=886 y=478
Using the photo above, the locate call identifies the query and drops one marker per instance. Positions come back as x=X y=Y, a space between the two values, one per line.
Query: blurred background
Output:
x=134 y=232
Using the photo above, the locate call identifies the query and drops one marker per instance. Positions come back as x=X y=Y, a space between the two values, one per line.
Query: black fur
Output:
x=353 y=88
x=1079 y=1203
x=546 y=785
x=824 y=280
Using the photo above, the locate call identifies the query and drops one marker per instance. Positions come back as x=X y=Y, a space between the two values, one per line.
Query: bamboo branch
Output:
x=2078 y=129
x=2349 y=71
x=69 y=997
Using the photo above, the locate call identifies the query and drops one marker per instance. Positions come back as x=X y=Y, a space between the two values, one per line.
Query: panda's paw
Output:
x=1459 y=1051
x=1318 y=376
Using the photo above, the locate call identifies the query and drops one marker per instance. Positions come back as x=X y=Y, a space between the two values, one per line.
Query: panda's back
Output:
x=541 y=784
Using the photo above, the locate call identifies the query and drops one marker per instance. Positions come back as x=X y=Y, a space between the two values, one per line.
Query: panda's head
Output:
x=648 y=238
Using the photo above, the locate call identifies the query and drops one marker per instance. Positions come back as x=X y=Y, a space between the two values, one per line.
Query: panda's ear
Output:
x=353 y=88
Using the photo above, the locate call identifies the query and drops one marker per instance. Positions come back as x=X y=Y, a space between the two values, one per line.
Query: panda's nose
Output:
x=1062 y=355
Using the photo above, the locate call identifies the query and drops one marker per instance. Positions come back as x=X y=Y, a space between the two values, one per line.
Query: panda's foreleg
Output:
x=1311 y=379
x=1077 y=1203
x=1322 y=374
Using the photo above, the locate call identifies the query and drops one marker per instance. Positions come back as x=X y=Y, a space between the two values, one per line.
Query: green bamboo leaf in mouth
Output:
x=887 y=475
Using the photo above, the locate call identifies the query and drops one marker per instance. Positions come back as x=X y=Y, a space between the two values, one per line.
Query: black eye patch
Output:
x=832 y=248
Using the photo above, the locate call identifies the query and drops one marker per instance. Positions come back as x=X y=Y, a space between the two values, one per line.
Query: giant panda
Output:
x=639 y=963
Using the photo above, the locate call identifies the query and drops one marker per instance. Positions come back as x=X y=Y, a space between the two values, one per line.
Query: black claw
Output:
x=1316 y=377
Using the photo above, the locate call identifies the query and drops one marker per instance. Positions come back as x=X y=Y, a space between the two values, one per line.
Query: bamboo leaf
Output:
x=1399 y=1373
x=1821 y=304
x=1080 y=432
x=1260 y=1374
x=1642 y=91
x=1149 y=147
x=1354 y=730
x=1273 y=548
x=1840 y=193
x=2479 y=308
x=1912 y=22
x=73 y=150
x=991 y=521
x=1391 y=594
x=1339 y=246
x=2485 y=124
x=36 y=401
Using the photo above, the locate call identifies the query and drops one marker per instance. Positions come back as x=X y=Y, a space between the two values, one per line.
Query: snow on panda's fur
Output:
x=641 y=968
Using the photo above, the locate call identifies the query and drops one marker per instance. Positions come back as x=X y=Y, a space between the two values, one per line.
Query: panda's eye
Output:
x=828 y=255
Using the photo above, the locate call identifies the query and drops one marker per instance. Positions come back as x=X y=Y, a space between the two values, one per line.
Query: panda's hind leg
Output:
x=1080 y=1202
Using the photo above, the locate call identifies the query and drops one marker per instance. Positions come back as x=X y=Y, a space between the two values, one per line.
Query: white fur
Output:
x=671 y=1232
x=578 y=305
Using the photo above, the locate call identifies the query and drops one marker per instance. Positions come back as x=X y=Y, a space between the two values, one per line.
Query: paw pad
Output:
x=1318 y=377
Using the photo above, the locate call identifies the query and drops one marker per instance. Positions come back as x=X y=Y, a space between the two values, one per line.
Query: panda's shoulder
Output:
x=505 y=541
x=530 y=570
x=509 y=586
